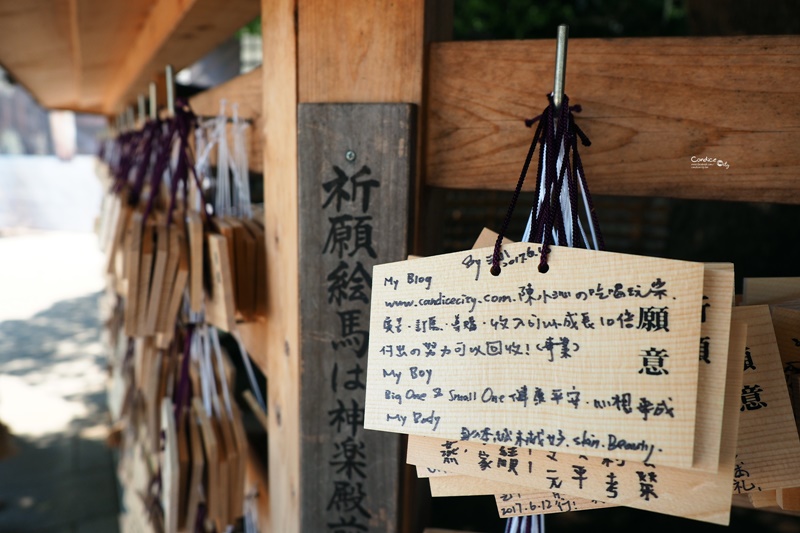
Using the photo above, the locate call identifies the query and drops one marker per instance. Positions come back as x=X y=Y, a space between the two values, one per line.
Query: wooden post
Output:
x=280 y=228
x=318 y=51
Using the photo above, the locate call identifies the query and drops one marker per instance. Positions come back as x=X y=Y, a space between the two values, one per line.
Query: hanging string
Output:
x=164 y=133
x=525 y=524
x=554 y=219
x=185 y=121
x=495 y=270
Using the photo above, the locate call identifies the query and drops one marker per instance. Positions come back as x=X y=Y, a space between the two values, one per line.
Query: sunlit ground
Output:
x=52 y=386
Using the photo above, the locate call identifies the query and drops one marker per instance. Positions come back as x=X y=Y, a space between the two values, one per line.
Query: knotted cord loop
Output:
x=558 y=135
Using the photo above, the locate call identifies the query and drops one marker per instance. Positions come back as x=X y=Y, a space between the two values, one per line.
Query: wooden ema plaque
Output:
x=770 y=290
x=512 y=500
x=597 y=356
x=355 y=166
x=768 y=450
x=715 y=318
x=687 y=493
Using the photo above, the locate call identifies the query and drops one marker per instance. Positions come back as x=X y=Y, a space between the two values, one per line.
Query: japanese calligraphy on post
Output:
x=598 y=356
x=353 y=173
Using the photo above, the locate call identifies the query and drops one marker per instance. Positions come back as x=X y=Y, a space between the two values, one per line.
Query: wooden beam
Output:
x=649 y=106
x=176 y=33
x=281 y=232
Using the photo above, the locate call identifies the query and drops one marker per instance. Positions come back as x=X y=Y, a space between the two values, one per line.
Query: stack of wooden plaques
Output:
x=609 y=380
x=172 y=275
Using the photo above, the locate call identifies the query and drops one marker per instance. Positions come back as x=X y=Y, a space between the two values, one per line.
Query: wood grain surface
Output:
x=691 y=494
x=454 y=350
x=649 y=106
x=281 y=214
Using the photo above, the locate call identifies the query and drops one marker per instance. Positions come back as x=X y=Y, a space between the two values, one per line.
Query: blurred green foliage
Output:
x=531 y=19
x=251 y=28
x=528 y=19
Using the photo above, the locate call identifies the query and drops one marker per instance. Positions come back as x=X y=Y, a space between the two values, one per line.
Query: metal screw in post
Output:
x=350 y=156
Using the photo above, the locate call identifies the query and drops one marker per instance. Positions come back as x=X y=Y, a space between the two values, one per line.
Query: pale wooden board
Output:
x=184 y=459
x=156 y=293
x=336 y=289
x=426 y=472
x=764 y=498
x=768 y=442
x=718 y=288
x=718 y=285
x=692 y=494
x=196 y=474
x=786 y=323
x=211 y=460
x=770 y=290
x=510 y=498
x=227 y=458
x=117 y=233
x=170 y=273
x=145 y=271
x=644 y=126
x=220 y=307
x=742 y=501
x=177 y=291
x=455 y=485
x=789 y=498
x=170 y=469
x=544 y=502
x=237 y=489
x=133 y=253
x=194 y=228
x=607 y=363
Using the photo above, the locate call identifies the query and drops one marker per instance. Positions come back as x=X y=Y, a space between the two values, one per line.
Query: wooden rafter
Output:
x=96 y=56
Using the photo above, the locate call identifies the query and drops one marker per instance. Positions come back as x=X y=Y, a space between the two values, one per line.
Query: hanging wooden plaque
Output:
x=770 y=290
x=715 y=318
x=687 y=493
x=596 y=356
x=768 y=451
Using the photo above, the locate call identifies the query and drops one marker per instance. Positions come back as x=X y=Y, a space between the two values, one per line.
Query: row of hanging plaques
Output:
x=185 y=255
x=610 y=380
